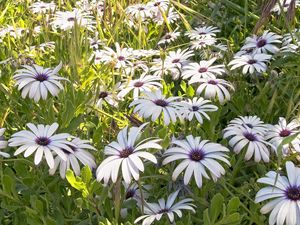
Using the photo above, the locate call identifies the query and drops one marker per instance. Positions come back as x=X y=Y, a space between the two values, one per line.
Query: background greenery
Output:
x=28 y=195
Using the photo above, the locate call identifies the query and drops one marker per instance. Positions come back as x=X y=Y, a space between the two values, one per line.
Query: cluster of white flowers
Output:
x=158 y=11
x=142 y=78
x=252 y=134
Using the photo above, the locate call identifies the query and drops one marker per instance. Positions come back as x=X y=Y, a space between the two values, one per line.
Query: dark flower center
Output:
x=41 y=77
x=103 y=94
x=250 y=136
x=138 y=84
x=213 y=82
x=176 y=61
x=202 y=33
x=196 y=155
x=293 y=193
x=156 y=3
x=42 y=7
x=252 y=61
x=195 y=108
x=121 y=58
x=126 y=152
x=284 y=133
x=71 y=19
x=130 y=193
x=161 y=102
x=249 y=125
x=202 y=70
x=168 y=36
x=163 y=211
x=141 y=8
x=261 y=43
x=43 y=141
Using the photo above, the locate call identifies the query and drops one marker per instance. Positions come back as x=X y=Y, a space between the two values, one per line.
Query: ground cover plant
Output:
x=150 y=112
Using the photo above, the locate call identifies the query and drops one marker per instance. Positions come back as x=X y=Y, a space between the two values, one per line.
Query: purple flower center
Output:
x=202 y=33
x=168 y=36
x=163 y=211
x=195 y=108
x=71 y=19
x=176 y=61
x=196 y=155
x=293 y=193
x=41 y=77
x=284 y=133
x=261 y=43
x=249 y=125
x=161 y=103
x=251 y=61
x=121 y=58
x=138 y=84
x=103 y=94
x=126 y=152
x=250 y=136
x=43 y=141
x=130 y=193
x=202 y=70
x=213 y=82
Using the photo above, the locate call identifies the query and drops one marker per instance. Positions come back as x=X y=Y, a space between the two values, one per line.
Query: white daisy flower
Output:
x=202 y=32
x=285 y=5
x=106 y=96
x=198 y=156
x=173 y=63
x=251 y=63
x=66 y=20
x=119 y=58
x=284 y=195
x=41 y=140
x=142 y=84
x=197 y=107
x=15 y=32
x=203 y=69
x=36 y=81
x=213 y=88
x=154 y=104
x=155 y=211
x=291 y=41
x=42 y=7
x=252 y=122
x=158 y=5
x=203 y=42
x=247 y=138
x=139 y=11
x=3 y=143
x=132 y=191
x=169 y=37
x=126 y=153
x=277 y=133
x=79 y=153
x=264 y=43
x=171 y=16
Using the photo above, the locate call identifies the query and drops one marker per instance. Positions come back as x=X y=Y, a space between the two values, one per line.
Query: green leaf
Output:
x=216 y=207
x=77 y=183
x=233 y=205
x=206 y=218
x=230 y=220
x=86 y=174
